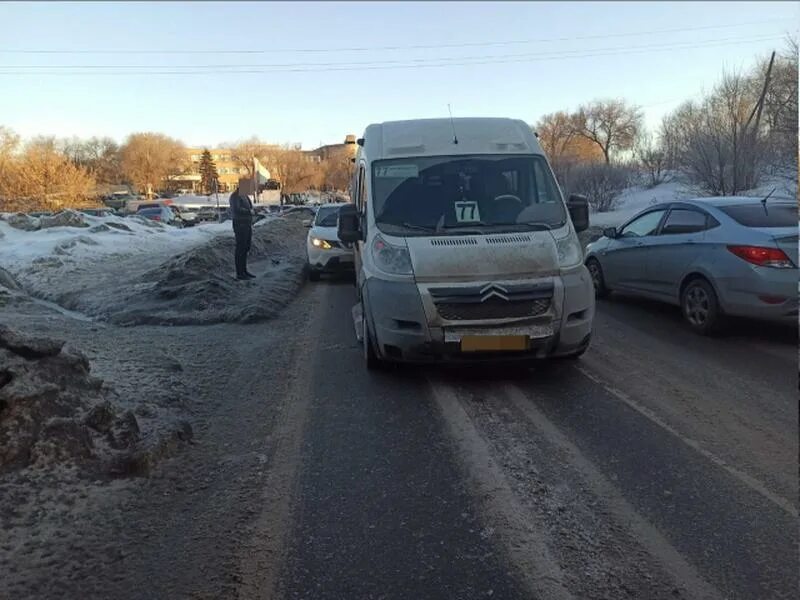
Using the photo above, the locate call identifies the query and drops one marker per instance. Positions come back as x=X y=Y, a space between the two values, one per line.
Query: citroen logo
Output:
x=493 y=290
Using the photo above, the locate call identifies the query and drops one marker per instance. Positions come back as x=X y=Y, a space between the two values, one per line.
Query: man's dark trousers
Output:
x=243 y=230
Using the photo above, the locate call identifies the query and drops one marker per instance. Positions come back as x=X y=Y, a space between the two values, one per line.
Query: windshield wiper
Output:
x=419 y=227
x=538 y=225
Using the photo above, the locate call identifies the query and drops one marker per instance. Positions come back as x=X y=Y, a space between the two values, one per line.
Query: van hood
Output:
x=494 y=256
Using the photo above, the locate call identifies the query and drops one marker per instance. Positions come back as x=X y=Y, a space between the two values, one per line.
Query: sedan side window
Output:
x=644 y=225
x=682 y=220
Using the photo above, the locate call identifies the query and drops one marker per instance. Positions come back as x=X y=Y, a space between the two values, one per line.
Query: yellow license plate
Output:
x=494 y=343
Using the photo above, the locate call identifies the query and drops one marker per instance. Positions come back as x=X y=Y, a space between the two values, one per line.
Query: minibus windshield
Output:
x=444 y=195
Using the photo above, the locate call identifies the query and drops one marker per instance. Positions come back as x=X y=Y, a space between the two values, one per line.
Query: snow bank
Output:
x=637 y=198
x=134 y=271
x=101 y=238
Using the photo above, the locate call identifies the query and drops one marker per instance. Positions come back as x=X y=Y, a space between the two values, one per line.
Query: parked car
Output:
x=466 y=251
x=325 y=252
x=188 y=217
x=732 y=256
x=163 y=214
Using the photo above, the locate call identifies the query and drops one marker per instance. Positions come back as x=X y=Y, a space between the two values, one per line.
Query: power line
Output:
x=401 y=47
x=386 y=65
x=583 y=51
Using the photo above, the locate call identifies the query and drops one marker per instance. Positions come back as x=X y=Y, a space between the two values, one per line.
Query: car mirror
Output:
x=578 y=207
x=348 y=228
x=610 y=232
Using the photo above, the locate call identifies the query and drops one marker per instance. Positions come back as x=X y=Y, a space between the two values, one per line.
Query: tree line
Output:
x=48 y=173
x=723 y=143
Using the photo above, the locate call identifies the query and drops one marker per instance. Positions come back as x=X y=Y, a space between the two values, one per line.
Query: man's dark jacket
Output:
x=241 y=208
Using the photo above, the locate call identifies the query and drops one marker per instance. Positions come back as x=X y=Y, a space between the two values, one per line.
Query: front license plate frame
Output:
x=495 y=343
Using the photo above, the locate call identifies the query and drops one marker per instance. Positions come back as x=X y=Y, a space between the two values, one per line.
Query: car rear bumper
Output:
x=761 y=293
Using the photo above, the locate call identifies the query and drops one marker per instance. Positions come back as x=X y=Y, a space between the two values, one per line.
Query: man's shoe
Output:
x=242 y=277
x=249 y=275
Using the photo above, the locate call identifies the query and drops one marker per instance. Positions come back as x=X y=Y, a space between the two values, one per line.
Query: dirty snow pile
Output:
x=197 y=286
x=53 y=412
x=132 y=271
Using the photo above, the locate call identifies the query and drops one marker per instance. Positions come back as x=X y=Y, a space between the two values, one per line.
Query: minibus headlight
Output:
x=569 y=251
x=390 y=258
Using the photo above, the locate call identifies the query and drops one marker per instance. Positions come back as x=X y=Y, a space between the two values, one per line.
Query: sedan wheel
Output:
x=599 y=282
x=700 y=306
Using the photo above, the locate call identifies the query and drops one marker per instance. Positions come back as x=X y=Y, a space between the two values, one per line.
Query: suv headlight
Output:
x=320 y=243
x=390 y=258
x=569 y=249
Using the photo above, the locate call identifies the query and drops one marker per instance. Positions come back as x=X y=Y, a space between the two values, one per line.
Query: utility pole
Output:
x=749 y=142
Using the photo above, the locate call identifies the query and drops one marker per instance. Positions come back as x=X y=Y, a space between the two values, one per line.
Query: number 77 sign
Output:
x=467 y=212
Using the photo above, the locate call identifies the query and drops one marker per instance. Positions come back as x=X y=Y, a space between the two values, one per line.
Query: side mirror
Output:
x=307 y=223
x=349 y=227
x=578 y=207
x=610 y=232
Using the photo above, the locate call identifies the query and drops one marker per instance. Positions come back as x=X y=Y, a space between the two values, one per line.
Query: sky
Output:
x=212 y=73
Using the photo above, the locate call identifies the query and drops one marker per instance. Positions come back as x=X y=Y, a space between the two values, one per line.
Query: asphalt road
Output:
x=661 y=465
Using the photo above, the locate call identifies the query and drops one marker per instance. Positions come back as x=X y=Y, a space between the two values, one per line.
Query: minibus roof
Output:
x=436 y=137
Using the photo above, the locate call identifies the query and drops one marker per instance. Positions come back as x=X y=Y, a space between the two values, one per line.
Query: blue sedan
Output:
x=712 y=257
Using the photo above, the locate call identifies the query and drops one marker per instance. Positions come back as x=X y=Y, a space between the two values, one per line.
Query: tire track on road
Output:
x=672 y=561
x=525 y=538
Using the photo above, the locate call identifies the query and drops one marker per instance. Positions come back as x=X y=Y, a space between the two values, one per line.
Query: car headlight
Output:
x=390 y=258
x=319 y=243
x=569 y=251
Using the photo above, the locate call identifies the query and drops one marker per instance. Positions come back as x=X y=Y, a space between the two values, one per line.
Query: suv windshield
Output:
x=443 y=194
x=760 y=215
x=327 y=216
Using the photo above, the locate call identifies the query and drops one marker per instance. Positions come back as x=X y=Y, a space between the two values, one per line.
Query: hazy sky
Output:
x=537 y=57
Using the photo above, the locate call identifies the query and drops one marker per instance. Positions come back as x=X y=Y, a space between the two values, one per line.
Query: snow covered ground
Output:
x=637 y=198
x=104 y=237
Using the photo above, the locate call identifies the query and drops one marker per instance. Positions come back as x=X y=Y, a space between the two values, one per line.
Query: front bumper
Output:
x=332 y=260
x=407 y=327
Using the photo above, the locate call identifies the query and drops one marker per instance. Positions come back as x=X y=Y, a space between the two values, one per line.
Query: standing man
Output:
x=242 y=216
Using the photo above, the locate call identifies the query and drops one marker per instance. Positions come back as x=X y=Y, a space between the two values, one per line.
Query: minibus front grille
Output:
x=493 y=308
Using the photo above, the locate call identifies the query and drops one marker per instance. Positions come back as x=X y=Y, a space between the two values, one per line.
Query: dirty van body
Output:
x=465 y=248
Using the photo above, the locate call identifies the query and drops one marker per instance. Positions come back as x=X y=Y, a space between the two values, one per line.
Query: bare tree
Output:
x=296 y=170
x=611 y=124
x=337 y=169
x=600 y=183
x=100 y=156
x=148 y=159
x=564 y=146
x=556 y=131
x=652 y=159
x=712 y=142
x=244 y=152
x=41 y=176
x=781 y=107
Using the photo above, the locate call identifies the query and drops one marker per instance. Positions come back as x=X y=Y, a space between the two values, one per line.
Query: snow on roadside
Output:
x=636 y=198
x=105 y=237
